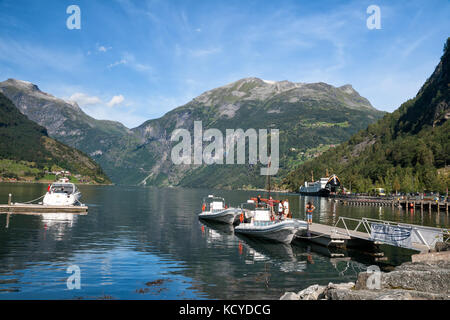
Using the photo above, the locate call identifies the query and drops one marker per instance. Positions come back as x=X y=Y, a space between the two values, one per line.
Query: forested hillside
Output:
x=26 y=151
x=407 y=150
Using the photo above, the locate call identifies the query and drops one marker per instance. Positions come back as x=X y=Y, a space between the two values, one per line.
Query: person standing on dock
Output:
x=309 y=211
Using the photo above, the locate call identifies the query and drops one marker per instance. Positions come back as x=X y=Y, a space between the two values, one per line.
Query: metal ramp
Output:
x=420 y=238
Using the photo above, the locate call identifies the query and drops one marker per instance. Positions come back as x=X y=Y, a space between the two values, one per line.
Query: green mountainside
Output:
x=407 y=150
x=311 y=117
x=27 y=152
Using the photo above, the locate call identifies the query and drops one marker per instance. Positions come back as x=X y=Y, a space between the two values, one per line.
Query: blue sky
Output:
x=135 y=60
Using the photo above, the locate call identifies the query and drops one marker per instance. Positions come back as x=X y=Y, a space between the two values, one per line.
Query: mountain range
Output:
x=407 y=150
x=26 y=150
x=311 y=117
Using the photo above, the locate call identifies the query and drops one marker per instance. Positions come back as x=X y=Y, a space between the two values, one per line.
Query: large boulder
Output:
x=409 y=281
x=314 y=292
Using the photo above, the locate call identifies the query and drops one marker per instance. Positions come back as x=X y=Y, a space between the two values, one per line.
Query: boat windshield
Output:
x=214 y=203
x=62 y=188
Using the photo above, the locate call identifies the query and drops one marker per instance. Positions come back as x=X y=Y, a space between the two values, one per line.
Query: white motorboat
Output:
x=215 y=209
x=62 y=193
x=264 y=225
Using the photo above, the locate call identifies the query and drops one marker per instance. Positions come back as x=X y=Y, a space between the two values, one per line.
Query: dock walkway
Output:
x=32 y=209
x=333 y=236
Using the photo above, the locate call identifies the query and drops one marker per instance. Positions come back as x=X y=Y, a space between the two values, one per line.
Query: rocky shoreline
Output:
x=427 y=277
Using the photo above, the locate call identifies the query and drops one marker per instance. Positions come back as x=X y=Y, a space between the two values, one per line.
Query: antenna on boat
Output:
x=327 y=173
x=268 y=180
x=312 y=176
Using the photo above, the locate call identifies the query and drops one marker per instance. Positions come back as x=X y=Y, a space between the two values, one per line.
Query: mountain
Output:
x=26 y=150
x=311 y=117
x=407 y=150
x=67 y=123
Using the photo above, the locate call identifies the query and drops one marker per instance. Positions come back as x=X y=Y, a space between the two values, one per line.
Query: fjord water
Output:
x=147 y=243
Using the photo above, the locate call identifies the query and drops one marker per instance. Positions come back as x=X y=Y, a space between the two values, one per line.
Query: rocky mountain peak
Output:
x=347 y=88
x=25 y=85
x=12 y=87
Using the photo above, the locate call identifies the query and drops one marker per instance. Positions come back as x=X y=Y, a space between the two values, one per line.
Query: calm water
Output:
x=147 y=243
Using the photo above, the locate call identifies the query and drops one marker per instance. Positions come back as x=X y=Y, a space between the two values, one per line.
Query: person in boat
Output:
x=309 y=211
x=287 y=213
x=270 y=204
x=280 y=210
x=258 y=200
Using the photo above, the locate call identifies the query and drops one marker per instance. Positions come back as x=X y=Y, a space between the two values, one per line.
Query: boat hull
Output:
x=228 y=216
x=320 y=193
x=61 y=199
x=283 y=231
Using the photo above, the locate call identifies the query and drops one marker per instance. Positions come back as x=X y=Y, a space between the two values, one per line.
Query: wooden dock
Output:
x=33 y=209
x=401 y=203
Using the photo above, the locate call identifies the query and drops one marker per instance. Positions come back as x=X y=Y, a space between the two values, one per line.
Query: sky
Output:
x=132 y=61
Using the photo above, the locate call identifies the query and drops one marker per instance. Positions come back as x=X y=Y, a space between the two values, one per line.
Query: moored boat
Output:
x=62 y=193
x=322 y=187
x=264 y=225
x=215 y=209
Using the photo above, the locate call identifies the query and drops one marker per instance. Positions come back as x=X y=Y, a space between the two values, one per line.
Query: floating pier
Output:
x=33 y=209
x=401 y=203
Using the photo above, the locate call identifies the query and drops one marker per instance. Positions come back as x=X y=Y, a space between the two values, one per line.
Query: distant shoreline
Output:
x=50 y=182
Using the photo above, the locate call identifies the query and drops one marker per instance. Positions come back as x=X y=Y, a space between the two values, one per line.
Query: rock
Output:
x=314 y=292
x=431 y=278
x=431 y=257
x=341 y=286
x=409 y=281
x=442 y=246
x=290 y=296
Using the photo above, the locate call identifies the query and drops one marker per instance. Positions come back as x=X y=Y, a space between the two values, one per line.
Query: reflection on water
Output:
x=147 y=243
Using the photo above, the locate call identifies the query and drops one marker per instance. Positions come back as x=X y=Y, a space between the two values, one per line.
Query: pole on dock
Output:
x=9 y=199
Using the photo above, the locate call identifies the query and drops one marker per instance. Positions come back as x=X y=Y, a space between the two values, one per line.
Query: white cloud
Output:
x=103 y=48
x=129 y=60
x=204 y=52
x=117 y=63
x=84 y=99
x=115 y=100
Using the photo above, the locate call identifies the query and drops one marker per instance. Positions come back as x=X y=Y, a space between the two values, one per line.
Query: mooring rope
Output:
x=34 y=199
